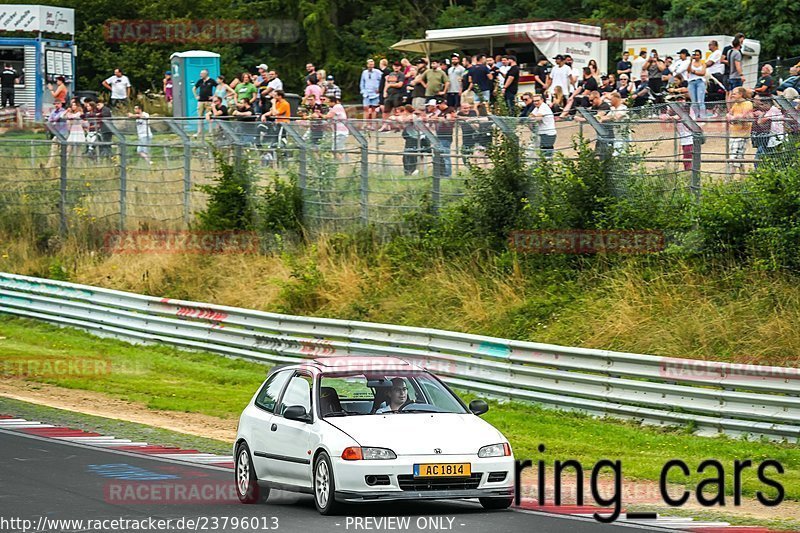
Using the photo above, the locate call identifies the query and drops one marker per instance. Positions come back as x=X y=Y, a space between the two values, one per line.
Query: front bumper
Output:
x=351 y=484
x=375 y=496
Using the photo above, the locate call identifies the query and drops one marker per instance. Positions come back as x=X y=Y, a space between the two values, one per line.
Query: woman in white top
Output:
x=696 y=76
x=76 y=126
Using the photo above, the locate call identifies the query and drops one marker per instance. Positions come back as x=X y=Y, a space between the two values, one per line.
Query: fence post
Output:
x=697 y=145
x=187 y=168
x=62 y=204
x=438 y=166
x=123 y=171
x=302 y=160
x=364 y=193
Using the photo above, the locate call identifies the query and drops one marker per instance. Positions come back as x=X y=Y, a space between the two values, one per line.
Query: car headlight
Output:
x=354 y=453
x=495 y=450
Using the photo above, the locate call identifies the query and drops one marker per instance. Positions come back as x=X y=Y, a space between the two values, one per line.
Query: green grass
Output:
x=169 y=379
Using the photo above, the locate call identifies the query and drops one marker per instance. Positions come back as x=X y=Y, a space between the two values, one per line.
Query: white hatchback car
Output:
x=367 y=429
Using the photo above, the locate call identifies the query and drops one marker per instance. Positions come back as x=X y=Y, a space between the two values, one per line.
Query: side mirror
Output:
x=478 y=407
x=296 y=412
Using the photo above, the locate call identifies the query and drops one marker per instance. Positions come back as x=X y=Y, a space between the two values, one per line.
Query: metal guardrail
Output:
x=709 y=397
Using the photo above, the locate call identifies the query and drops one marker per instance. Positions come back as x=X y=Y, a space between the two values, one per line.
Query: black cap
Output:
x=559 y=56
x=684 y=51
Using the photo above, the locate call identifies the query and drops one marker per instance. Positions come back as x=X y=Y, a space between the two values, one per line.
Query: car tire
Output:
x=324 y=486
x=246 y=482
x=496 y=503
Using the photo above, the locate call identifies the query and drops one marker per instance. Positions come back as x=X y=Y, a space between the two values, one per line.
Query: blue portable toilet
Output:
x=185 y=68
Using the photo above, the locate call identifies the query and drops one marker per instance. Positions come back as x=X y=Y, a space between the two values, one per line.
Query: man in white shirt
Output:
x=546 y=127
x=637 y=65
x=561 y=74
x=682 y=64
x=120 y=87
x=714 y=65
x=455 y=74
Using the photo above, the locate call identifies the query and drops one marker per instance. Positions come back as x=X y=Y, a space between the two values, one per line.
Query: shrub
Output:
x=229 y=204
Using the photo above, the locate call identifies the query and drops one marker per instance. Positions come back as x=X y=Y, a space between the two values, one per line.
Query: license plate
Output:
x=443 y=470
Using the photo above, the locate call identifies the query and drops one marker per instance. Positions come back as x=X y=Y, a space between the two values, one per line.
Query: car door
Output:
x=291 y=460
x=261 y=420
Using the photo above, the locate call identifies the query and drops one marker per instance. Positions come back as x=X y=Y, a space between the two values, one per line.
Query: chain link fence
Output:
x=362 y=172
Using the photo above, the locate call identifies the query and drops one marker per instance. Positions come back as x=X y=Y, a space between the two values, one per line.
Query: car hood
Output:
x=420 y=433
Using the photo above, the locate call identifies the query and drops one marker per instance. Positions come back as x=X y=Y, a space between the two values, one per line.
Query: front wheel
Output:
x=496 y=503
x=324 y=486
x=247 y=488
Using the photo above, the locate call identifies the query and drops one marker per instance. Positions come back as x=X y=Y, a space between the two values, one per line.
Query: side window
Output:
x=298 y=392
x=272 y=388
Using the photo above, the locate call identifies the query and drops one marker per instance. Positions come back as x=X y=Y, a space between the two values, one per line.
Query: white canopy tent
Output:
x=550 y=38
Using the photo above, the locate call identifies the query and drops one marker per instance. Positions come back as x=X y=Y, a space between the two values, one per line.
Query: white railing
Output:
x=706 y=396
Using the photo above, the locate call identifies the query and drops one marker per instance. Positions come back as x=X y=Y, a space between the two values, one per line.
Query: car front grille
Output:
x=409 y=482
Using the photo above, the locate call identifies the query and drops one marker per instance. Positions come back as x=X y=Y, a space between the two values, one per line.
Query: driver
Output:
x=398 y=397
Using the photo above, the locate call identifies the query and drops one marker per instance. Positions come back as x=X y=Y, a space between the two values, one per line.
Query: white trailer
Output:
x=672 y=45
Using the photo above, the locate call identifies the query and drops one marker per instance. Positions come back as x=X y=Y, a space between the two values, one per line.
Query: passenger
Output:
x=398 y=397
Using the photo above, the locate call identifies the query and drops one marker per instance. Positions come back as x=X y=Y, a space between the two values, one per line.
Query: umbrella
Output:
x=423 y=46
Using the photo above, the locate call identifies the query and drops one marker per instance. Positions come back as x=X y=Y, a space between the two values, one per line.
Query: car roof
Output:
x=359 y=363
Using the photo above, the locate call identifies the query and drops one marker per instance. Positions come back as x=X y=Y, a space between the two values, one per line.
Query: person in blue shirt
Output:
x=370 y=85
x=481 y=78
x=793 y=81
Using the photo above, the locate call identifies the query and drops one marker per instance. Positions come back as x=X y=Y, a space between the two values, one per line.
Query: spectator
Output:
x=725 y=57
x=546 y=125
x=416 y=85
x=246 y=90
x=595 y=72
x=59 y=94
x=312 y=88
x=777 y=133
x=735 y=75
x=75 y=127
x=527 y=105
x=8 y=78
x=541 y=76
x=91 y=117
x=203 y=90
x=607 y=85
x=143 y=133
x=643 y=91
x=218 y=108
x=244 y=111
x=681 y=66
x=393 y=88
x=624 y=66
x=765 y=85
x=338 y=115
x=120 y=87
x=511 y=85
x=714 y=65
x=561 y=75
x=445 y=125
x=625 y=87
x=666 y=72
x=311 y=73
x=559 y=101
x=385 y=70
x=224 y=92
x=654 y=66
x=684 y=133
x=455 y=74
x=435 y=81
x=678 y=86
x=793 y=81
x=481 y=78
x=696 y=78
x=106 y=136
x=57 y=129
x=332 y=90
x=370 y=85
x=575 y=73
x=586 y=87
x=281 y=110
x=740 y=119
x=637 y=66
x=465 y=119
x=167 y=85
x=274 y=83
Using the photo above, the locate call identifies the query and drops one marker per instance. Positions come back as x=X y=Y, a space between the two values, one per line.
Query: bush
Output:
x=281 y=207
x=229 y=204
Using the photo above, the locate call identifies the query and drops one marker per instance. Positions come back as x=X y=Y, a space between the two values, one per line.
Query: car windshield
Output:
x=360 y=393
